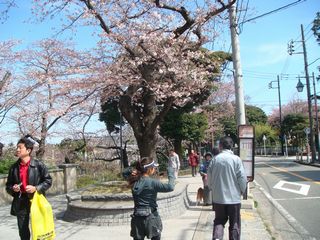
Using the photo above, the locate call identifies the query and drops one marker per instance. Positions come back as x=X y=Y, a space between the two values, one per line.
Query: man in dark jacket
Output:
x=26 y=176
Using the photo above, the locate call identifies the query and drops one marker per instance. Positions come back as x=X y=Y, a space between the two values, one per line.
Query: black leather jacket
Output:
x=38 y=176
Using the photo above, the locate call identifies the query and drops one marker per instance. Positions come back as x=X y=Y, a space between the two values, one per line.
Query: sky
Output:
x=263 y=50
x=263 y=47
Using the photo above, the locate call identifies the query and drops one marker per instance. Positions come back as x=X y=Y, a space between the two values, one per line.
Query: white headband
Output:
x=152 y=164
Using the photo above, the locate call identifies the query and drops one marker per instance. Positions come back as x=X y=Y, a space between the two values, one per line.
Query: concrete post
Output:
x=70 y=176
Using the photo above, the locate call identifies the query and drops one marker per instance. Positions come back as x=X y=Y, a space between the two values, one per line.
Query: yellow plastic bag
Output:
x=42 y=224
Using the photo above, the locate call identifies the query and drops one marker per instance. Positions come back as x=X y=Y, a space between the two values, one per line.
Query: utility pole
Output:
x=280 y=111
x=237 y=74
x=280 y=115
x=317 y=118
x=313 y=152
x=240 y=109
x=304 y=52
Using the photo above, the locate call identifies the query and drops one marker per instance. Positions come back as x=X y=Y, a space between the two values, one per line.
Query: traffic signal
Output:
x=290 y=47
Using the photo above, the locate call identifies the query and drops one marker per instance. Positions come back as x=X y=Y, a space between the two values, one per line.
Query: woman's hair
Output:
x=140 y=170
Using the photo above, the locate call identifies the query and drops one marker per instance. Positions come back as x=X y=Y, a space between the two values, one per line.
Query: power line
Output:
x=274 y=11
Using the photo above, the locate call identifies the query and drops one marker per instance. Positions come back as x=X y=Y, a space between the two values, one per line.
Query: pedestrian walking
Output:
x=174 y=162
x=227 y=181
x=146 y=221
x=26 y=176
x=193 y=159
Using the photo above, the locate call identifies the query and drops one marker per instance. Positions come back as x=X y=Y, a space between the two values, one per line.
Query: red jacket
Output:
x=193 y=160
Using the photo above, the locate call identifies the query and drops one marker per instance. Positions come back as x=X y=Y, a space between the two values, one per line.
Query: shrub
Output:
x=7 y=160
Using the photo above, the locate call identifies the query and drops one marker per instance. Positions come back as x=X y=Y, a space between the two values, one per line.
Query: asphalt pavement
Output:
x=288 y=194
x=195 y=224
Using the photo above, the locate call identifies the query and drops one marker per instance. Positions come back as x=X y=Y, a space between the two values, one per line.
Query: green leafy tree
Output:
x=255 y=115
x=7 y=159
x=110 y=115
x=316 y=27
x=230 y=127
x=267 y=131
x=293 y=126
x=194 y=127
x=179 y=125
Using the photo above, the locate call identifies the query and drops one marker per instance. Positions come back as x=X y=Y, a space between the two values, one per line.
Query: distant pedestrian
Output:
x=193 y=159
x=146 y=221
x=174 y=162
x=203 y=169
x=26 y=176
x=227 y=180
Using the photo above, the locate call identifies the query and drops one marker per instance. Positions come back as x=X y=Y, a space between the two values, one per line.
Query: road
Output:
x=294 y=193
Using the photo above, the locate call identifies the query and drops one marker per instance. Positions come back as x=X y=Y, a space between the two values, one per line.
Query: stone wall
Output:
x=111 y=210
x=63 y=181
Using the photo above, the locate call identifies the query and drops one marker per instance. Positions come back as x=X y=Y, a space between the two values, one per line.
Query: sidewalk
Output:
x=194 y=224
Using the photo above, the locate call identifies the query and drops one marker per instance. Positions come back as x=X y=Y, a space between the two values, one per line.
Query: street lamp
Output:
x=299 y=87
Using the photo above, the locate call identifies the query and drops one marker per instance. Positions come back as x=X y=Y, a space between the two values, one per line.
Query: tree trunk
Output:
x=42 y=142
x=125 y=158
x=42 y=149
x=147 y=144
x=144 y=119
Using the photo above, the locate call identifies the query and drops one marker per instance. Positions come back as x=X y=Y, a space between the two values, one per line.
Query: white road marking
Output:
x=303 y=188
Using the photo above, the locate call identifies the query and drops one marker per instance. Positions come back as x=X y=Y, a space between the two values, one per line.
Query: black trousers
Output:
x=23 y=213
x=194 y=170
x=223 y=213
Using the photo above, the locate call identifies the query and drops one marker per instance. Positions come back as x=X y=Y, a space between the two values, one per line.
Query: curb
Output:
x=308 y=164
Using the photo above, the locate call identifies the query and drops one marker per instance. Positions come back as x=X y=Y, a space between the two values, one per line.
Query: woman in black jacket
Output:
x=26 y=176
x=146 y=221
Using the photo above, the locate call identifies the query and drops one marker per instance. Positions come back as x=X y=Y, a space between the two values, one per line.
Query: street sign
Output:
x=246 y=149
x=306 y=130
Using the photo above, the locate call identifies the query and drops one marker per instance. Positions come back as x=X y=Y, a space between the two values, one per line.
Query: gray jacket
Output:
x=227 y=178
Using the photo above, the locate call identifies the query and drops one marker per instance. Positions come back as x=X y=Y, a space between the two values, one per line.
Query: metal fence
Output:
x=276 y=151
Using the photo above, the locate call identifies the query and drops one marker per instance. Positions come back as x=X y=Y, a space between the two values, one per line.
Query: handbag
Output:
x=42 y=223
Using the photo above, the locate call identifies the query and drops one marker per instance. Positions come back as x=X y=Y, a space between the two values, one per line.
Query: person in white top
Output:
x=174 y=162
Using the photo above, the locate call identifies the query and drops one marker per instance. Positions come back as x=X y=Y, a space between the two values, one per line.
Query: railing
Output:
x=276 y=150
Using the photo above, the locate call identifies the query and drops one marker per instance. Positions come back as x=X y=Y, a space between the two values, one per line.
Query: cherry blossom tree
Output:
x=8 y=56
x=295 y=106
x=151 y=53
x=219 y=106
x=51 y=69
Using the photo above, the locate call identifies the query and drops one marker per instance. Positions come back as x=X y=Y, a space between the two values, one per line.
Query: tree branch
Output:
x=184 y=13
x=71 y=106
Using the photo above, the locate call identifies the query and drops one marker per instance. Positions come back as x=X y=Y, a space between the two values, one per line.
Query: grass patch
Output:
x=85 y=180
x=108 y=189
